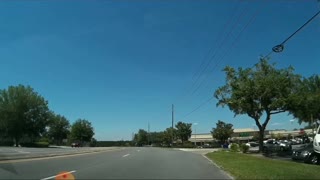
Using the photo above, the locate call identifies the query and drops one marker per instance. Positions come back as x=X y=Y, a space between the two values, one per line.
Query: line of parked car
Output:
x=303 y=149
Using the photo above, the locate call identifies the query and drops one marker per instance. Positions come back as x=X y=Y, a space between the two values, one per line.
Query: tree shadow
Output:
x=7 y=166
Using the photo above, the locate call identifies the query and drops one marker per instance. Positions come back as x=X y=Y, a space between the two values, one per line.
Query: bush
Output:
x=6 y=143
x=188 y=145
x=244 y=148
x=185 y=145
x=234 y=147
x=43 y=139
x=42 y=144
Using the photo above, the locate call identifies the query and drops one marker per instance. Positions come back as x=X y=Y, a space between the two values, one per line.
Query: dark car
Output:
x=206 y=146
x=75 y=145
x=305 y=154
x=276 y=146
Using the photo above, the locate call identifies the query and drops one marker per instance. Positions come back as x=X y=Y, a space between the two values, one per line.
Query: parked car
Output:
x=316 y=145
x=75 y=145
x=252 y=144
x=206 y=146
x=274 y=146
x=306 y=154
x=285 y=145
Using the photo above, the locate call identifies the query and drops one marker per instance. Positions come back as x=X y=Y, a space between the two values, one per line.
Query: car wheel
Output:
x=313 y=159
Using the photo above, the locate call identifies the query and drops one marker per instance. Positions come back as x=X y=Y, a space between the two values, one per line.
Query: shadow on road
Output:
x=7 y=166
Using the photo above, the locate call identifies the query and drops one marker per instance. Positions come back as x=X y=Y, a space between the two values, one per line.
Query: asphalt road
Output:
x=7 y=153
x=126 y=163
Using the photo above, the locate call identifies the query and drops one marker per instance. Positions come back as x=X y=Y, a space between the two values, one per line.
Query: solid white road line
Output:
x=126 y=155
x=51 y=177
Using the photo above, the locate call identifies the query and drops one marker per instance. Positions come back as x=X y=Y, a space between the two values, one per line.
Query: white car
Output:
x=316 y=141
x=252 y=144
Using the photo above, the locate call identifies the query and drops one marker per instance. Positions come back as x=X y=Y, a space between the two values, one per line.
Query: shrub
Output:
x=234 y=147
x=244 y=148
x=41 y=144
x=185 y=145
x=43 y=139
x=188 y=145
x=6 y=143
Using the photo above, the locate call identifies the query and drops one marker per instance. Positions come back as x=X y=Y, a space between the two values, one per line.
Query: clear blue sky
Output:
x=121 y=64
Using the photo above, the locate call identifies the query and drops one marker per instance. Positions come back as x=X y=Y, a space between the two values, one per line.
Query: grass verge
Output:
x=244 y=166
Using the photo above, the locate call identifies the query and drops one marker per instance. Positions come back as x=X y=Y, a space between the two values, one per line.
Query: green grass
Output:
x=244 y=166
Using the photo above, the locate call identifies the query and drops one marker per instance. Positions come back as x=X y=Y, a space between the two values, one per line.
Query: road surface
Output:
x=23 y=152
x=126 y=163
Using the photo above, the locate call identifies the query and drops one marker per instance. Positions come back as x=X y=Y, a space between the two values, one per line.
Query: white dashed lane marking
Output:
x=51 y=177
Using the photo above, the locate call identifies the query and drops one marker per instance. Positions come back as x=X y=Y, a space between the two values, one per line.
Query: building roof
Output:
x=244 y=130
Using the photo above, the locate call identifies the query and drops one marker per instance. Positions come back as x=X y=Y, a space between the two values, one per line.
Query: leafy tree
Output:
x=257 y=91
x=222 y=131
x=142 y=137
x=135 y=138
x=304 y=105
x=156 y=137
x=93 y=142
x=184 y=131
x=23 y=112
x=59 y=128
x=82 y=130
x=168 y=135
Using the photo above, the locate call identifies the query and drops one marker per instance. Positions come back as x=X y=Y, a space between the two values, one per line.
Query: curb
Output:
x=220 y=167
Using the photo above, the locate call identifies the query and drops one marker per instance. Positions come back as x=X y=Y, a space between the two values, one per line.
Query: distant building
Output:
x=248 y=134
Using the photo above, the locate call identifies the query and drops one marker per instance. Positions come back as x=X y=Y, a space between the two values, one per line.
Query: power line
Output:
x=234 y=10
x=202 y=104
x=199 y=72
x=274 y=50
x=220 y=46
x=234 y=42
x=226 y=52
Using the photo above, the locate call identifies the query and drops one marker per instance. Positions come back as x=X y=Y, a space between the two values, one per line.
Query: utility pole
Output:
x=172 y=121
x=313 y=124
x=148 y=133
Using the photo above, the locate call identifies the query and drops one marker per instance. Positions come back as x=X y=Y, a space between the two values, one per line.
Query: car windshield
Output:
x=158 y=89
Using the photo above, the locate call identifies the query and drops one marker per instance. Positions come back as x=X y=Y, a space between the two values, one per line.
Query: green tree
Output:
x=304 y=105
x=156 y=137
x=257 y=91
x=222 y=132
x=168 y=135
x=135 y=139
x=142 y=137
x=59 y=128
x=82 y=130
x=183 y=131
x=23 y=112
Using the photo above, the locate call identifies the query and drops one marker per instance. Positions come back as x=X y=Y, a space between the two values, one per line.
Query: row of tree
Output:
x=263 y=91
x=24 y=114
x=181 y=132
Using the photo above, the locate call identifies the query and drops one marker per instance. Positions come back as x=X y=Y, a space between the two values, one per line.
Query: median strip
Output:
x=52 y=156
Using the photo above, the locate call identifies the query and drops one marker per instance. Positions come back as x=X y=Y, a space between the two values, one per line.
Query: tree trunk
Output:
x=261 y=137
x=16 y=139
